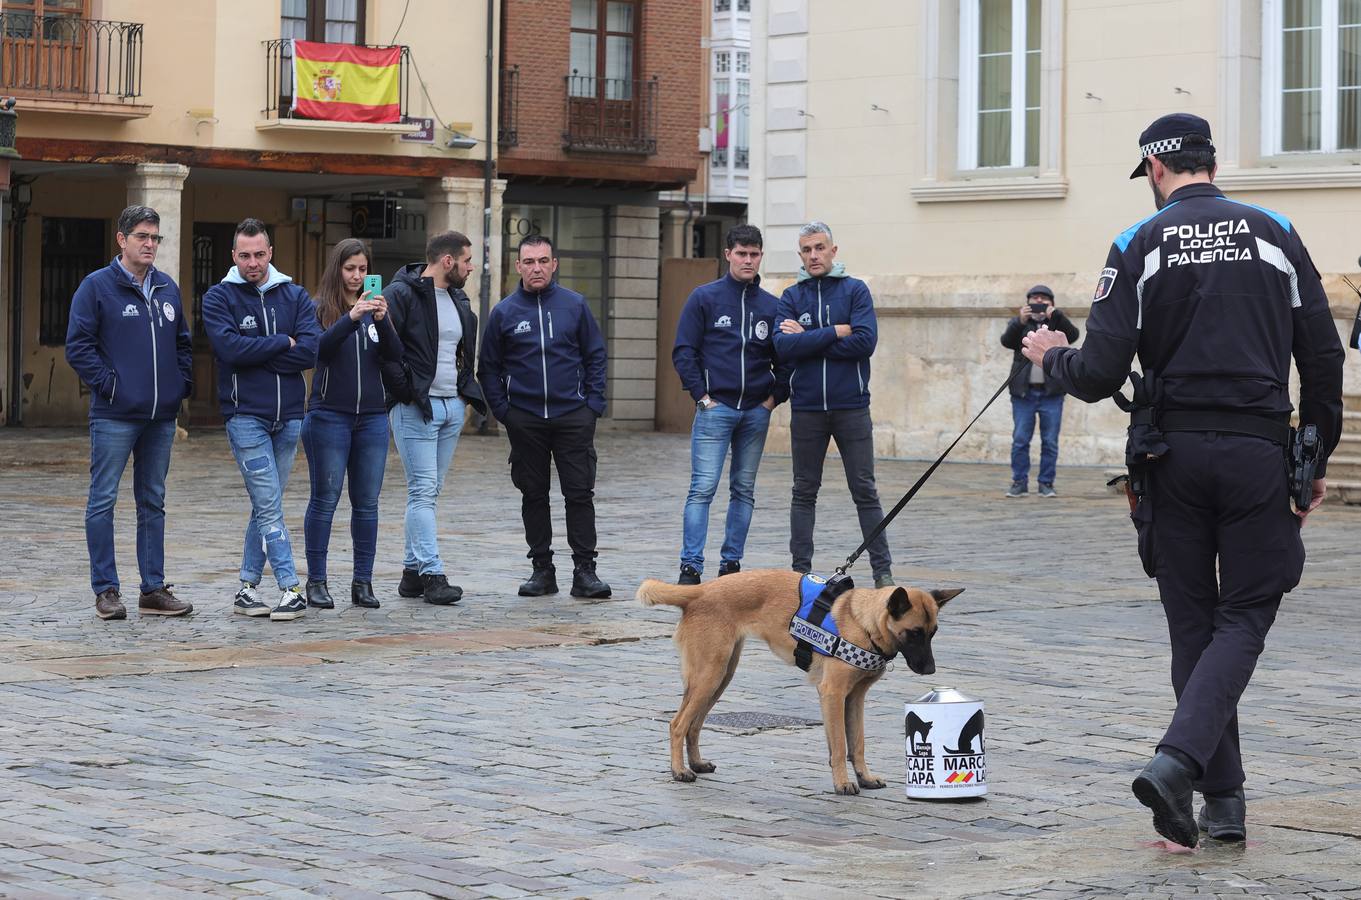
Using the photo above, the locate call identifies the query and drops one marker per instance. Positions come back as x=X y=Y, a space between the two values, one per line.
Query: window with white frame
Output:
x=722 y=61
x=743 y=62
x=1311 y=76
x=999 y=83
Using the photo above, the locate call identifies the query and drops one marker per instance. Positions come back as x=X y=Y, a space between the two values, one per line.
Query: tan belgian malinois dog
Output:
x=717 y=617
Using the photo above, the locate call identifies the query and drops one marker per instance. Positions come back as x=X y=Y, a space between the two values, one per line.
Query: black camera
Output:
x=1039 y=310
x=1303 y=462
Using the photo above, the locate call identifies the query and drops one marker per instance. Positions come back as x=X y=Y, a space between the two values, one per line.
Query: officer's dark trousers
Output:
x=1220 y=498
x=809 y=435
x=569 y=442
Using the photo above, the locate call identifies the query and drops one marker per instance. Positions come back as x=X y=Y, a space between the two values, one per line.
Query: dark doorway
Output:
x=211 y=260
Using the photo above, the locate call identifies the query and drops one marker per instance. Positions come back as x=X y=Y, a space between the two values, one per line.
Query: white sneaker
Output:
x=248 y=602
x=292 y=605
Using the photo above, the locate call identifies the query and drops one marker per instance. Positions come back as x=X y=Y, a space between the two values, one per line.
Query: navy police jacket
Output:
x=349 y=377
x=828 y=372
x=542 y=353
x=249 y=327
x=133 y=351
x=1215 y=296
x=725 y=344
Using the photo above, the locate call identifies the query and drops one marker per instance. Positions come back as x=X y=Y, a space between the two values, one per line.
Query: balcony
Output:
x=278 y=110
x=70 y=64
x=508 y=124
x=611 y=115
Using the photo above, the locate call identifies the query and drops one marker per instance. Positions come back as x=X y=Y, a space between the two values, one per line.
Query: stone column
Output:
x=456 y=204
x=161 y=186
x=631 y=332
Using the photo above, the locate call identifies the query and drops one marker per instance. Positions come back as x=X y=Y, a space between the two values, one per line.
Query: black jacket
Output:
x=1011 y=339
x=1215 y=296
x=411 y=306
x=349 y=365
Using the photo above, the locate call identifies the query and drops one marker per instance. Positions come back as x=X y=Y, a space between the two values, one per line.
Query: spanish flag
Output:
x=346 y=83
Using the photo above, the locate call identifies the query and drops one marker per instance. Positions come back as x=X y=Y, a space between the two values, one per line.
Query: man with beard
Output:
x=427 y=389
x=1215 y=297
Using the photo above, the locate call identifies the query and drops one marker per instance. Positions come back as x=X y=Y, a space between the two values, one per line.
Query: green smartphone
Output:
x=373 y=285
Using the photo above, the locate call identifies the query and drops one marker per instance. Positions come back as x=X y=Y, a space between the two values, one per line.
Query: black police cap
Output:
x=1172 y=133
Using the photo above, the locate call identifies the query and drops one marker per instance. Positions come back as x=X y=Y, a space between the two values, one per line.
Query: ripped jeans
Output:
x=264 y=453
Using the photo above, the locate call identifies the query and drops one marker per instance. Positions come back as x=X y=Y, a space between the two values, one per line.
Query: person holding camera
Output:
x=1033 y=396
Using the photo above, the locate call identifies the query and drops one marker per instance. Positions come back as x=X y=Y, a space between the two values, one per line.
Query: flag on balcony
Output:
x=346 y=82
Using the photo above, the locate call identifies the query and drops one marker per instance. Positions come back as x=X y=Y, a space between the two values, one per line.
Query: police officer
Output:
x=1214 y=296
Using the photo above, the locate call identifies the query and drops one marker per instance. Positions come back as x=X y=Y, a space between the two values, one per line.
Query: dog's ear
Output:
x=898 y=603
x=944 y=595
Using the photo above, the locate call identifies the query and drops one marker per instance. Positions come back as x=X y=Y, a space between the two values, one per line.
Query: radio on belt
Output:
x=945 y=746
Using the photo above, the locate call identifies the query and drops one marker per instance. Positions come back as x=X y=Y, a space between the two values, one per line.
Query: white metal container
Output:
x=945 y=748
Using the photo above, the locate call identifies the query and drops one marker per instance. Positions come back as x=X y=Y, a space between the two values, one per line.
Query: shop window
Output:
x=71 y=249
x=579 y=239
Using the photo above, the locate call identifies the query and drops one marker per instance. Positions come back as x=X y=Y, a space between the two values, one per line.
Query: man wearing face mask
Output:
x=427 y=389
x=1034 y=397
x=543 y=373
x=1215 y=297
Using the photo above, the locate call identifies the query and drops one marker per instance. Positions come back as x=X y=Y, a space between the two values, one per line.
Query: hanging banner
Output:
x=346 y=83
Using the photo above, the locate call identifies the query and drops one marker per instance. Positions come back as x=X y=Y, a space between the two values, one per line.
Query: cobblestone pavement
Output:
x=511 y=747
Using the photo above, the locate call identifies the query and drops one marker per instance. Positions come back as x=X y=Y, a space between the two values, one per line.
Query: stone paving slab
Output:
x=507 y=747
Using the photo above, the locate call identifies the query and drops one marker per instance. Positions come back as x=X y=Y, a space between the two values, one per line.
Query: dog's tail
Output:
x=658 y=593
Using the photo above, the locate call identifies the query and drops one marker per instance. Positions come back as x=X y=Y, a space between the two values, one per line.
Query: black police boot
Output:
x=439 y=591
x=361 y=594
x=1164 y=786
x=585 y=583
x=727 y=568
x=688 y=575
x=542 y=581
x=1224 y=815
x=318 y=596
x=410 y=585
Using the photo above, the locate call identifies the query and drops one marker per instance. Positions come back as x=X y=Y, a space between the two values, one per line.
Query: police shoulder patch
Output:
x=1104 y=284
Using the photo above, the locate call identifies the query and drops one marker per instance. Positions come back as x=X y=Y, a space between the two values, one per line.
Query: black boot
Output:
x=318 y=596
x=688 y=575
x=439 y=591
x=585 y=583
x=1164 y=786
x=361 y=594
x=728 y=568
x=542 y=582
x=410 y=586
x=1224 y=815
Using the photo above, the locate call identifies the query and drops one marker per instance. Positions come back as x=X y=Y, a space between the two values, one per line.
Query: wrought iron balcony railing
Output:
x=279 y=78
x=70 y=58
x=508 y=125
x=611 y=115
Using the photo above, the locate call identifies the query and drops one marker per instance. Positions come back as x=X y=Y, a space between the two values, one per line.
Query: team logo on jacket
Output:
x=130 y=310
x=248 y=323
x=1104 y=284
x=373 y=332
x=762 y=330
x=168 y=310
x=523 y=327
x=806 y=320
x=723 y=322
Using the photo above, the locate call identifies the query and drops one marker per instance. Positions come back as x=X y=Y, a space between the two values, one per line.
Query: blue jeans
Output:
x=112 y=441
x=336 y=443
x=714 y=431
x=426 y=449
x=264 y=452
x=1023 y=412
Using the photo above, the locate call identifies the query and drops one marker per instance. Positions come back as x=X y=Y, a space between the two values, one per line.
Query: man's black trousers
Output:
x=809 y=435
x=569 y=442
x=1219 y=499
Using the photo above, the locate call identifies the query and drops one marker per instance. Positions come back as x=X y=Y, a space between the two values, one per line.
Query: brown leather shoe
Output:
x=108 y=605
x=161 y=602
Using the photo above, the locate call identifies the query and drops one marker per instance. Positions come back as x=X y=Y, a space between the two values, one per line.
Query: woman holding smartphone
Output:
x=346 y=428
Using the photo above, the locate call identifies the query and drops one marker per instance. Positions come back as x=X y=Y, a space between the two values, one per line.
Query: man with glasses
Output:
x=129 y=342
x=543 y=374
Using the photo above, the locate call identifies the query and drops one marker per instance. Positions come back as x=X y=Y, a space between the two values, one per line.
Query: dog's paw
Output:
x=870 y=782
x=683 y=775
x=847 y=789
x=703 y=767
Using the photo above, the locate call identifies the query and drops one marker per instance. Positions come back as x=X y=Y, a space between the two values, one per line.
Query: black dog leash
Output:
x=912 y=492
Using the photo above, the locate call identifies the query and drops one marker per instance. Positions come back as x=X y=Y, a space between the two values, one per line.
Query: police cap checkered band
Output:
x=1169 y=134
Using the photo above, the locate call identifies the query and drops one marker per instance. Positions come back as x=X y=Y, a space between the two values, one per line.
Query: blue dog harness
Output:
x=814 y=629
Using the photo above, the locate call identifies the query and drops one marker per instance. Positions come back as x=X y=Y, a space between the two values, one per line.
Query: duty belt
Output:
x=1272 y=428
